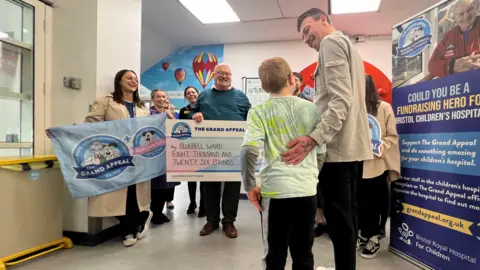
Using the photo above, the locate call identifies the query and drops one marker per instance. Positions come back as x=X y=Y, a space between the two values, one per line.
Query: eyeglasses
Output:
x=221 y=73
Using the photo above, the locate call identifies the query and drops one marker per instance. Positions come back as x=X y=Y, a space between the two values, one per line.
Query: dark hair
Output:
x=315 y=13
x=371 y=96
x=188 y=87
x=298 y=75
x=118 y=93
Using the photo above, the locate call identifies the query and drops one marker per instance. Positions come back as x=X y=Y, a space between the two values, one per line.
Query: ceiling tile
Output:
x=252 y=10
x=294 y=8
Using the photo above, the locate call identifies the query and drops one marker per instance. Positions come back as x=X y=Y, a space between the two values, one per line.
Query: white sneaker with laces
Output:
x=371 y=249
x=129 y=240
x=324 y=268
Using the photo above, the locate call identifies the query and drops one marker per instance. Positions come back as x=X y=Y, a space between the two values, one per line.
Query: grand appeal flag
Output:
x=102 y=157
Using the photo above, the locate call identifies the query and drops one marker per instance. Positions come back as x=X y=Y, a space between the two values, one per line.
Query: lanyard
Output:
x=133 y=108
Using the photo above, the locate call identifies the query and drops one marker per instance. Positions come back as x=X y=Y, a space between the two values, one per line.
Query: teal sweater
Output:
x=231 y=105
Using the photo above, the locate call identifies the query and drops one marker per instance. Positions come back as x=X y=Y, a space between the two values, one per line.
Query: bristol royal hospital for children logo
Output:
x=148 y=142
x=181 y=131
x=101 y=157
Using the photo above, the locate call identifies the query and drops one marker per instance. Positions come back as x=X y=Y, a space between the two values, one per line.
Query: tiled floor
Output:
x=177 y=245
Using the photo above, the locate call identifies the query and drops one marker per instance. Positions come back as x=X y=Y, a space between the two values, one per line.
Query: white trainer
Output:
x=129 y=240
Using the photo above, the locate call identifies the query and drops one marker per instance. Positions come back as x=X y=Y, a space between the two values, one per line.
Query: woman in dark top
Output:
x=191 y=94
x=162 y=191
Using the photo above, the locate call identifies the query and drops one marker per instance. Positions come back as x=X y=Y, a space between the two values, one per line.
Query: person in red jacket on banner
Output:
x=459 y=50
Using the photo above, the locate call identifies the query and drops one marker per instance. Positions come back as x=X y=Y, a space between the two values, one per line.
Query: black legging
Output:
x=133 y=218
x=192 y=192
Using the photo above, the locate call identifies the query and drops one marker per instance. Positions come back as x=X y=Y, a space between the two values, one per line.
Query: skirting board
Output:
x=91 y=240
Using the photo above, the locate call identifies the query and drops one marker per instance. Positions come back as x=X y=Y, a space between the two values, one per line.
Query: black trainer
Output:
x=361 y=242
x=143 y=228
x=164 y=218
x=371 y=249
x=191 y=209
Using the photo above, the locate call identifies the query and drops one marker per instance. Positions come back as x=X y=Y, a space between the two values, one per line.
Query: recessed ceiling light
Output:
x=354 y=6
x=211 y=11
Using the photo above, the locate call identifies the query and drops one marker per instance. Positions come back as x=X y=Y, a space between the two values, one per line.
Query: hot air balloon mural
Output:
x=203 y=66
x=165 y=65
x=180 y=75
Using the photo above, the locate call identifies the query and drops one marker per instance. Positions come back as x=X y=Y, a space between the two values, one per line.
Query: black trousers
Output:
x=371 y=204
x=385 y=212
x=159 y=199
x=192 y=192
x=133 y=218
x=338 y=187
x=288 y=223
x=229 y=201
x=170 y=194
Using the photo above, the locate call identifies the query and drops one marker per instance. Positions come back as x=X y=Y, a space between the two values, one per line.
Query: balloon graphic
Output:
x=180 y=75
x=382 y=92
x=165 y=65
x=203 y=66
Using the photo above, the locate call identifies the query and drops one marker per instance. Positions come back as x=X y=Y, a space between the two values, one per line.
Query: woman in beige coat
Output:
x=372 y=191
x=129 y=205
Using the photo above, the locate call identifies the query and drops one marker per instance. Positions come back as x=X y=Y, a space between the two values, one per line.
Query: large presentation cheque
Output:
x=209 y=151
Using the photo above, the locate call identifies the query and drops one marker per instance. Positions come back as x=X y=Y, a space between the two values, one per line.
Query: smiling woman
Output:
x=133 y=214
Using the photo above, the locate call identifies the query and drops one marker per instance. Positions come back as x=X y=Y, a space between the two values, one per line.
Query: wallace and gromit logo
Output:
x=181 y=131
x=149 y=142
x=101 y=157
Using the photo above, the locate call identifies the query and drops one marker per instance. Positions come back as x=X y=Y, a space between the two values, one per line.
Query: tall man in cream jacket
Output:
x=340 y=98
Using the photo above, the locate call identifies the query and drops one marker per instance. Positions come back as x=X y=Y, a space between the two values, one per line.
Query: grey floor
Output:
x=177 y=245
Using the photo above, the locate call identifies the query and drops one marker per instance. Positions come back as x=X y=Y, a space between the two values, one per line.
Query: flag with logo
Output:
x=97 y=158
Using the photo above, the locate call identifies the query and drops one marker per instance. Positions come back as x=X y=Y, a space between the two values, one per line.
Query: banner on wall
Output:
x=435 y=219
x=102 y=157
x=208 y=151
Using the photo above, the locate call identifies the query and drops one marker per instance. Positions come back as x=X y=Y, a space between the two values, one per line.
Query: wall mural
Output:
x=188 y=66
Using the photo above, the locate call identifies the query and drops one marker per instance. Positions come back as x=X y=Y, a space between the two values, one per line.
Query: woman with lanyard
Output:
x=129 y=205
x=162 y=191
x=191 y=94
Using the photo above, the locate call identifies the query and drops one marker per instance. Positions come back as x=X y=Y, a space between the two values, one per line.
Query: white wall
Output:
x=155 y=46
x=118 y=40
x=244 y=59
x=74 y=54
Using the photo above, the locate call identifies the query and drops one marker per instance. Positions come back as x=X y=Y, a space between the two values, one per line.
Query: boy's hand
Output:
x=254 y=198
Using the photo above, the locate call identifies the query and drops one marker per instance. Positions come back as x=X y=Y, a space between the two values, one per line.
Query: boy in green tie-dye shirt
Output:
x=287 y=196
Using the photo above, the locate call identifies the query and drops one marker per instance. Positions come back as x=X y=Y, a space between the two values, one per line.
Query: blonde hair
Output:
x=154 y=92
x=274 y=74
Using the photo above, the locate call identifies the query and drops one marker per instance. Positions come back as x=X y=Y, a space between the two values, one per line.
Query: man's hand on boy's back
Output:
x=299 y=149
x=254 y=198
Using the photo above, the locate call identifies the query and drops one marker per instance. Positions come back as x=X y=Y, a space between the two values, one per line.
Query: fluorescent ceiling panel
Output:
x=354 y=6
x=211 y=11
